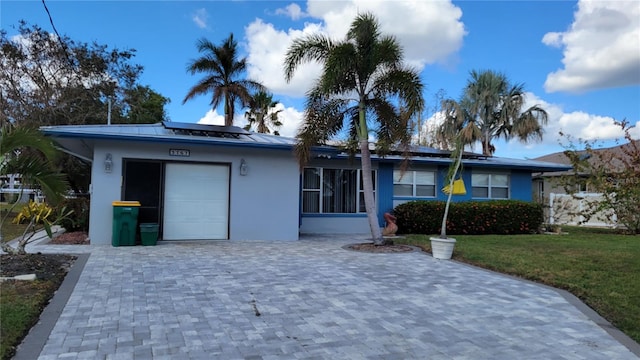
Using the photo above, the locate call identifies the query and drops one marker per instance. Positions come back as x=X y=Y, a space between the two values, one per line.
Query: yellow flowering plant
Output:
x=36 y=215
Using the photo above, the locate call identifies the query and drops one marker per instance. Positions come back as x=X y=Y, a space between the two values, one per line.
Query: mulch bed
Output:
x=71 y=238
x=45 y=266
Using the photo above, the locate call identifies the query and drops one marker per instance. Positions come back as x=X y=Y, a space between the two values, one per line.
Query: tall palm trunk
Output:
x=228 y=116
x=367 y=187
x=367 y=180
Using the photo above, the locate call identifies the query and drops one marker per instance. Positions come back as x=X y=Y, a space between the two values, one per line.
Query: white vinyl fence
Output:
x=565 y=209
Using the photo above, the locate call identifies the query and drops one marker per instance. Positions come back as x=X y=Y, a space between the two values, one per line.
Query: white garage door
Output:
x=196 y=202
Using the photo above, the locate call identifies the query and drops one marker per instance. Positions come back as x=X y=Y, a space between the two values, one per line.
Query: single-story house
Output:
x=565 y=208
x=214 y=182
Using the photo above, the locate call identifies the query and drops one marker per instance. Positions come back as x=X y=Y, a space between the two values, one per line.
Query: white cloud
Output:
x=577 y=124
x=200 y=18
x=292 y=10
x=600 y=48
x=267 y=47
x=213 y=118
x=429 y=31
x=290 y=117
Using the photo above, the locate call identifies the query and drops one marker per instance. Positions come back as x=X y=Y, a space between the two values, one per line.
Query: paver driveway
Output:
x=311 y=299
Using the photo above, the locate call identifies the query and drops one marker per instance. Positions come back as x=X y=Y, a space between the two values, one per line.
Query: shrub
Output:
x=79 y=219
x=471 y=217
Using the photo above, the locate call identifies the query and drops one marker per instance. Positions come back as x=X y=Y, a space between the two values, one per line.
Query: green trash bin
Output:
x=149 y=234
x=125 y=223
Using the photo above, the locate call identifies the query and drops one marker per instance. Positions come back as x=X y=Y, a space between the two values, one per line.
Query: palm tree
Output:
x=27 y=152
x=362 y=75
x=262 y=113
x=492 y=109
x=222 y=71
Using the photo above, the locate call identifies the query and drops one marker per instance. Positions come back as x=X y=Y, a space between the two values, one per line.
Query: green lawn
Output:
x=10 y=231
x=21 y=303
x=600 y=267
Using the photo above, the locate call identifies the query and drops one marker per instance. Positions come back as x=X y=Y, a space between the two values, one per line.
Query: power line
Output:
x=64 y=45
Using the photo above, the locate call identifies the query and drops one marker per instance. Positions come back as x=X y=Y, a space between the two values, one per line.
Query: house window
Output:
x=490 y=186
x=333 y=191
x=414 y=183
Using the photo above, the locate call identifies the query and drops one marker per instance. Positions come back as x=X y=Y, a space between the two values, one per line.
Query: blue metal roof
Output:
x=160 y=134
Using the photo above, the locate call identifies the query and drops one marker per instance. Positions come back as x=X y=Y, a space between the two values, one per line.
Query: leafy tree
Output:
x=492 y=109
x=222 y=79
x=144 y=106
x=46 y=80
x=363 y=82
x=613 y=172
x=263 y=114
x=27 y=152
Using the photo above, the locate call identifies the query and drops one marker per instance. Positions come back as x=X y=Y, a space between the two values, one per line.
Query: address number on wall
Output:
x=179 y=152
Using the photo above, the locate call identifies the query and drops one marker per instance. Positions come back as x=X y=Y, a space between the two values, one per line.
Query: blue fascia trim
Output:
x=335 y=215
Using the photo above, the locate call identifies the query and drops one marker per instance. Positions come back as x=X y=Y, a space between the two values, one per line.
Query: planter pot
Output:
x=442 y=248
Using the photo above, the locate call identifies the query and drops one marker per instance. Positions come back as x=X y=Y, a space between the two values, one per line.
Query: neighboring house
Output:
x=214 y=182
x=549 y=188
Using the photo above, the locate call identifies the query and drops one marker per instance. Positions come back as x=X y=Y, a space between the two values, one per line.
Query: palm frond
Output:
x=15 y=138
x=223 y=80
x=313 y=47
x=406 y=84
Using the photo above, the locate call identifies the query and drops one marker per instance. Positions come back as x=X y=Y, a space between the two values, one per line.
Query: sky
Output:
x=579 y=60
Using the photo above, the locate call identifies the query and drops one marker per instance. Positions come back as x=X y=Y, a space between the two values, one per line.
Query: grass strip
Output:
x=21 y=303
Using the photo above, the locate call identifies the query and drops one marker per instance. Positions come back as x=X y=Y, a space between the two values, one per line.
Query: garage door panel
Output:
x=196 y=202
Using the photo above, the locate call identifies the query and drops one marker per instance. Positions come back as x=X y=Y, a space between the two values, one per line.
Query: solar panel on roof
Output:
x=212 y=130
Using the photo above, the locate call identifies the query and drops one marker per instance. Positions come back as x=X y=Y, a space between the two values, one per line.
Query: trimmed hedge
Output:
x=471 y=217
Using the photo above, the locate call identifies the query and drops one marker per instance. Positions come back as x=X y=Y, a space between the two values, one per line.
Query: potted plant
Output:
x=442 y=246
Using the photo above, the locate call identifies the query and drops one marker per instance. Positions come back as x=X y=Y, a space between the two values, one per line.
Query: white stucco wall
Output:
x=264 y=204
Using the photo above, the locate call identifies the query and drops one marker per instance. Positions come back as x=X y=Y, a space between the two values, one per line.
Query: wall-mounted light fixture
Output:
x=108 y=163
x=243 y=167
